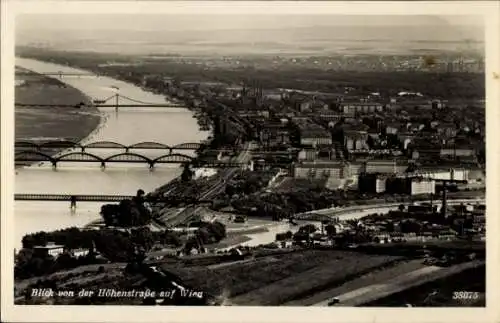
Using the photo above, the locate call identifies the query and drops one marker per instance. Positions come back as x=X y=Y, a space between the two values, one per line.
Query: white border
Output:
x=9 y=8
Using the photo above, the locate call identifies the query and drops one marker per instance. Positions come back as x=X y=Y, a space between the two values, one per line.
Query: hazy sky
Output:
x=211 y=22
x=182 y=33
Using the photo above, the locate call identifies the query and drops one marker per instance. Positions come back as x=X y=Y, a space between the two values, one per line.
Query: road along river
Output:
x=355 y=212
x=127 y=126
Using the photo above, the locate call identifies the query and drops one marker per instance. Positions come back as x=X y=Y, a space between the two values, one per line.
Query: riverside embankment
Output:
x=127 y=126
x=51 y=123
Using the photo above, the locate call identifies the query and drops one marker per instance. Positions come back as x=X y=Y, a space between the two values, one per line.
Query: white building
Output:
x=422 y=186
x=50 y=249
x=81 y=252
x=460 y=174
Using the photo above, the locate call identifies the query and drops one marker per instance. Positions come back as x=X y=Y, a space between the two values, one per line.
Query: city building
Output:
x=461 y=174
x=315 y=137
x=372 y=183
x=51 y=249
x=457 y=151
x=421 y=186
x=355 y=140
x=305 y=106
x=327 y=116
x=81 y=252
x=392 y=166
x=307 y=154
x=393 y=128
x=320 y=169
x=361 y=107
x=410 y=185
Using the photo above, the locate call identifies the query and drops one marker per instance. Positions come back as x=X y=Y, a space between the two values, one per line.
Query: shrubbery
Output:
x=112 y=244
x=127 y=213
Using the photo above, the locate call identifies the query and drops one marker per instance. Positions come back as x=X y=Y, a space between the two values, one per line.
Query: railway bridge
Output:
x=89 y=198
x=146 y=145
x=125 y=157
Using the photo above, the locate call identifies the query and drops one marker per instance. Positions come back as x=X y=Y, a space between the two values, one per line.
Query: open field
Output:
x=372 y=277
x=51 y=123
x=280 y=278
x=469 y=86
x=82 y=275
x=470 y=280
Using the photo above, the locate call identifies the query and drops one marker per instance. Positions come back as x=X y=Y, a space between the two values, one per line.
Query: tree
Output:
x=109 y=212
x=187 y=174
x=330 y=230
x=203 y=235
x=217 y=230
x=142 y=237
x=308 y=229
x=170 y=237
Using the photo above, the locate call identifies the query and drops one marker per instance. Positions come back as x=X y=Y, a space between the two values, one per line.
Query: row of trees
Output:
x=248 y=182
x=116 y=246
x=111 y=244
x=28 y=264
x=285 y=204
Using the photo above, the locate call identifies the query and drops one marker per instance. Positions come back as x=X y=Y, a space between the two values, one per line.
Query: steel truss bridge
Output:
x=127 y=157
x=146 y=145
x=89 y=198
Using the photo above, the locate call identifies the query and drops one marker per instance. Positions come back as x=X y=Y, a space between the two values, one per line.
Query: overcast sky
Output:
x=211 y=22
x=270 y=33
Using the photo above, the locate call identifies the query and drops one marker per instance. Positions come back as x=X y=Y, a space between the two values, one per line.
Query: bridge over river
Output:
x=90 y=198
x=23 y=157
x=105 y=152
x=146 y=145
x=102 y=103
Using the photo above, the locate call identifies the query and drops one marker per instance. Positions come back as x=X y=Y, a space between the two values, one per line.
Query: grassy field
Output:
x=309 y=282
x=471 y=280
x=373 y=277
x=82 y=274
x=279 y=278
x=51 y=123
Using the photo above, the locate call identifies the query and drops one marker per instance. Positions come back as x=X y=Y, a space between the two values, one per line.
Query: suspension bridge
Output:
x=103 y=103
x=58 y=73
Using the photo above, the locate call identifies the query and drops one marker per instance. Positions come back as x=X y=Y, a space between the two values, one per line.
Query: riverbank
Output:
x=51 y=123
x=129 y=126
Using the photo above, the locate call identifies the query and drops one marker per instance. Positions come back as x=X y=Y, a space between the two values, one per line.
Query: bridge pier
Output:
x=54 y=165
x=103 y=165
x=151 y=167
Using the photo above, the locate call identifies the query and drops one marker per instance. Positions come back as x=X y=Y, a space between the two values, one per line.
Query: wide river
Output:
x=127 y=126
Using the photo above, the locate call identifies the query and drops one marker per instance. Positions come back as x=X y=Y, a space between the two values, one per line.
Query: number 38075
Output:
x=465 y=295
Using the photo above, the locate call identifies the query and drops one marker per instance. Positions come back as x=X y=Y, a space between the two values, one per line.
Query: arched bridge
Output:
x=146 y=145
x=126 y=157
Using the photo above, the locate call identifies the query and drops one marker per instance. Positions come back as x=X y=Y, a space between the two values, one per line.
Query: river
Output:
x=127 y=126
